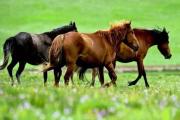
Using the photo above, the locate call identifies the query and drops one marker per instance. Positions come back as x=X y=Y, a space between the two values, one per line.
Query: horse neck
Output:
x=51 y=34
x=145 y=37
x=106 y=35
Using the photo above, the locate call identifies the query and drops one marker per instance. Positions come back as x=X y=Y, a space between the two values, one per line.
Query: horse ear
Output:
x=128 y=24
x=70 y=23
x=164 y=29
x=73 y=23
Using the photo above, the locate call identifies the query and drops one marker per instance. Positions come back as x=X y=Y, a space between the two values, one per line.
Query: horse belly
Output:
x=29 y=57
x=89 y=62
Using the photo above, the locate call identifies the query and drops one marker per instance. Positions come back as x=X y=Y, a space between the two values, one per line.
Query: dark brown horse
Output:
x=30 y=48
x=89 y=50
x=147 y=39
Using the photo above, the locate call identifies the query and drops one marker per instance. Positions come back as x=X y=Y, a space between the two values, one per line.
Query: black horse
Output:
x=30 y=48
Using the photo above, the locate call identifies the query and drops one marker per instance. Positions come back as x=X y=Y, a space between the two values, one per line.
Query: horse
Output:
x=147 y=39
x=30 y=48
x=89 y=50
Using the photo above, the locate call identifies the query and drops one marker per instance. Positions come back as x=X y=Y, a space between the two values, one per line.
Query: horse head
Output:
x=124 y=32
x=73 y=25
x=163 y=43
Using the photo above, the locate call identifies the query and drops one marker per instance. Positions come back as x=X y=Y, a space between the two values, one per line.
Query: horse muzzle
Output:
x=135 y=48
x=168 y=56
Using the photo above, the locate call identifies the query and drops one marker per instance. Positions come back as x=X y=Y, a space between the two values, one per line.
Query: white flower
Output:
x=84 y=98
x=22 y=96
x=56 y=115
x=26 y=105
x=67 y=111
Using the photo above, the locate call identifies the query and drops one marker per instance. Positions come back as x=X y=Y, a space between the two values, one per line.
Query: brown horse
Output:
x=147 y=39
x=30 y=48
x=89 y=50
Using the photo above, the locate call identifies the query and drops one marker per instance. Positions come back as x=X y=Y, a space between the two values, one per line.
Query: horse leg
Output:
x=19 y=71
x=72 y=79
x=101 y=75
x=112 y=75
x=10 y=68
x=57 y=75
x=45 y=78
x=114 y=64
x=140 y=72
x=69 y=72
x=94 y=73
x=145 y=78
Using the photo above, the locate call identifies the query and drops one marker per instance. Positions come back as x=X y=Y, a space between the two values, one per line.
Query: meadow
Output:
x=31 y=100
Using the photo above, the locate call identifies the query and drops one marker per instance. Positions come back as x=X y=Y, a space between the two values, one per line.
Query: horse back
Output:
x=23 y=38
x=87 y=48
x=143 y=35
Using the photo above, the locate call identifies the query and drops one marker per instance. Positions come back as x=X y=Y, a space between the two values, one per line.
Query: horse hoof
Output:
x=91 y=86
x=12 y=84
x=56 y=85
x=109 y=84
x=106 y=85
x=66 y=84
x=147 y=86
x=115 y=85
x=45 y=85
x=130 y=83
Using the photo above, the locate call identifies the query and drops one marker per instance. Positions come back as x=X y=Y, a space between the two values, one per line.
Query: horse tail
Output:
x=48 y=67
x=81 y=72
x=56 y=53
x=7 y=48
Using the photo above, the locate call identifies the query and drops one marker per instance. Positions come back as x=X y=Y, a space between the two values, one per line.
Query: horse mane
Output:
x=119 y=29
x=161 y=35
x=105 y=34
x=120 y=24
x=61 y=30
x=116 y=33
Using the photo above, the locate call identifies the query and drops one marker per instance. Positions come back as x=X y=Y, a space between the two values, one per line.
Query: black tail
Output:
x=81 y=72
x=7 y=48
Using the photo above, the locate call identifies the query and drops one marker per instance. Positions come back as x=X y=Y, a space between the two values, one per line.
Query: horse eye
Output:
x=130 y=31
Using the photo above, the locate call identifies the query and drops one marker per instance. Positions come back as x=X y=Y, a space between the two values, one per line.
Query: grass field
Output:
x=31 y=100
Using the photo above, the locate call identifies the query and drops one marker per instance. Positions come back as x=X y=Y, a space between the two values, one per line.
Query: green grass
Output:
x=91 y=15
x=31 y=100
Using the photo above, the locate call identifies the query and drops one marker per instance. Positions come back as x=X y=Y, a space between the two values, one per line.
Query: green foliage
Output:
x=31 y=100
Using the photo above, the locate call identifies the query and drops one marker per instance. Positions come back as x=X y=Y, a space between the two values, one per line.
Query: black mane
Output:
x=61 y=30
x=161 y=36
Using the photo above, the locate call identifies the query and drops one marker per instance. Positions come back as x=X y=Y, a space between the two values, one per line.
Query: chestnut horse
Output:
x=89 y=50
x=147 y=39
x=30 y=48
